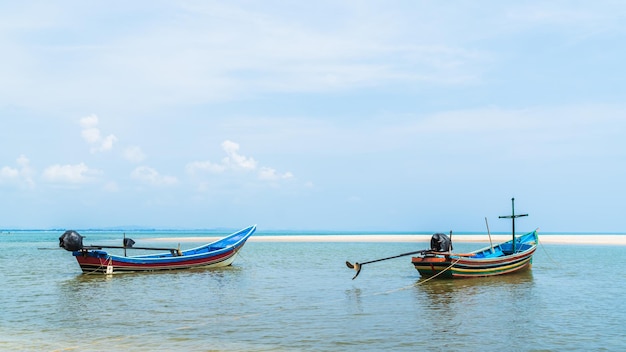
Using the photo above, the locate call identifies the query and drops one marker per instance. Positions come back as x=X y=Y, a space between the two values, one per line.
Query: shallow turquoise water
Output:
x=299 y=296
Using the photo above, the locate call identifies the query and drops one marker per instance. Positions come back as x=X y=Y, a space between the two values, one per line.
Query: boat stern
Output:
x=432 y=265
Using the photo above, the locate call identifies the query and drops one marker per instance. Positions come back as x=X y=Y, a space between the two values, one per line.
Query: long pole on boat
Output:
x=357 y=266
x=489 y=233
x=512 y=217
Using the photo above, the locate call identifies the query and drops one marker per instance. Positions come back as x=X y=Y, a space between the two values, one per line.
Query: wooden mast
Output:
x=512 y=217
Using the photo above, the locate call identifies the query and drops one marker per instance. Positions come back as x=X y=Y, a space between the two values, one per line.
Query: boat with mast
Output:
x=441 y=262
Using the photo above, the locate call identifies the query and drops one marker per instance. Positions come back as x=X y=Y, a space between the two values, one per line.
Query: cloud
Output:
x=134 y=154
x=22 y=174
x=234 y=161
x=151 y=176
x=73 y=174
x=91 y=134
x=224 y=52
x=267 y=173
x=8 y=173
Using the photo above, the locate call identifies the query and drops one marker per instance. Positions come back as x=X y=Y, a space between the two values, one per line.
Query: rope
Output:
x=546 y=252
x=419 y=283
x=439 y=273
x=108 y=258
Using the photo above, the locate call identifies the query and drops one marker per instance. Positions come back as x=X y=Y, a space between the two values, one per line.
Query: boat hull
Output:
x=216 y=254
x=91 y=262
x=484 y=262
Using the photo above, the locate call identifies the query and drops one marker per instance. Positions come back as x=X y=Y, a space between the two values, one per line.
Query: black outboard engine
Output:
x=71 y=241
x=128 y=242
x=440 y=243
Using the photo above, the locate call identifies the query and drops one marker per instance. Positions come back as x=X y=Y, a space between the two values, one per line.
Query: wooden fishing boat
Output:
x=93 y=259
x=440 y=262
x=508 y=257
x=505 y=258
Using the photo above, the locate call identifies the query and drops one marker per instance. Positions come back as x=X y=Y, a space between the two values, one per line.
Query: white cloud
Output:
x=22 y=174
x=134 y=154
x=107 y=142
x=234 y=161
x=91 y=134
x=228 y=51
x=151 y=176
x=73 y=174
x=7 y=173
x=90 y=121
x=267 y=173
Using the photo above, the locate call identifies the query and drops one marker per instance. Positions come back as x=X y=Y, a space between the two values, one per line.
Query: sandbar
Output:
x=595 y=239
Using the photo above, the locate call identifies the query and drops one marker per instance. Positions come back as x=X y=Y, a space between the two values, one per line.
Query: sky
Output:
x=410 y=116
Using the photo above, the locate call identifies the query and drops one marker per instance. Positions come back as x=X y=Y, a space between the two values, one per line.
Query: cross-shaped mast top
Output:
x=512 y=217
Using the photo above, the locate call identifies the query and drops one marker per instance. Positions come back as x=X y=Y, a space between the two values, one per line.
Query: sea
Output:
x=300 y=296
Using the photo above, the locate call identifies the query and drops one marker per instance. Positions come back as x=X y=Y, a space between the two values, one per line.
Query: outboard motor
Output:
x=71 y=241
x=128 y=242
x=440 y=243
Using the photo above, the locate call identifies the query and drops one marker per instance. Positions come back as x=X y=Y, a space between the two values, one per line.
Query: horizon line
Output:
x=303 y=232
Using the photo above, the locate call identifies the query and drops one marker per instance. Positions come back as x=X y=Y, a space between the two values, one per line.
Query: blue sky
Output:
x=326 y=115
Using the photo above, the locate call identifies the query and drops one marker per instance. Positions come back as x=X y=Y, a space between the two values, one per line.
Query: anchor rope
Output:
x=548 y=255
x=420 y=282
x=108 y=258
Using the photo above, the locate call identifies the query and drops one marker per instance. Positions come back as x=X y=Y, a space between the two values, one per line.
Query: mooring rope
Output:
x=546 y=252
x=420 y=282
x=108 y=258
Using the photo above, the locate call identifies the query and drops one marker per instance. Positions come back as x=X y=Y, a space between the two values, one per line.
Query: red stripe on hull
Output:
x=92 y=264
x=459 y=267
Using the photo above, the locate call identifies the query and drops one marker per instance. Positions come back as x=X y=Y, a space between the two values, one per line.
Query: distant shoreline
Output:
x=545 y=239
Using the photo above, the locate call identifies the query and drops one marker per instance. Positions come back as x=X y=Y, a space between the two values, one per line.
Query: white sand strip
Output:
x=545 y=239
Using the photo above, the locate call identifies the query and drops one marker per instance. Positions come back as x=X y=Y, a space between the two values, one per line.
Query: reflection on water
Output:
x=467 y=286
x=137 y=305
x=354 y=299
x=470 y=306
